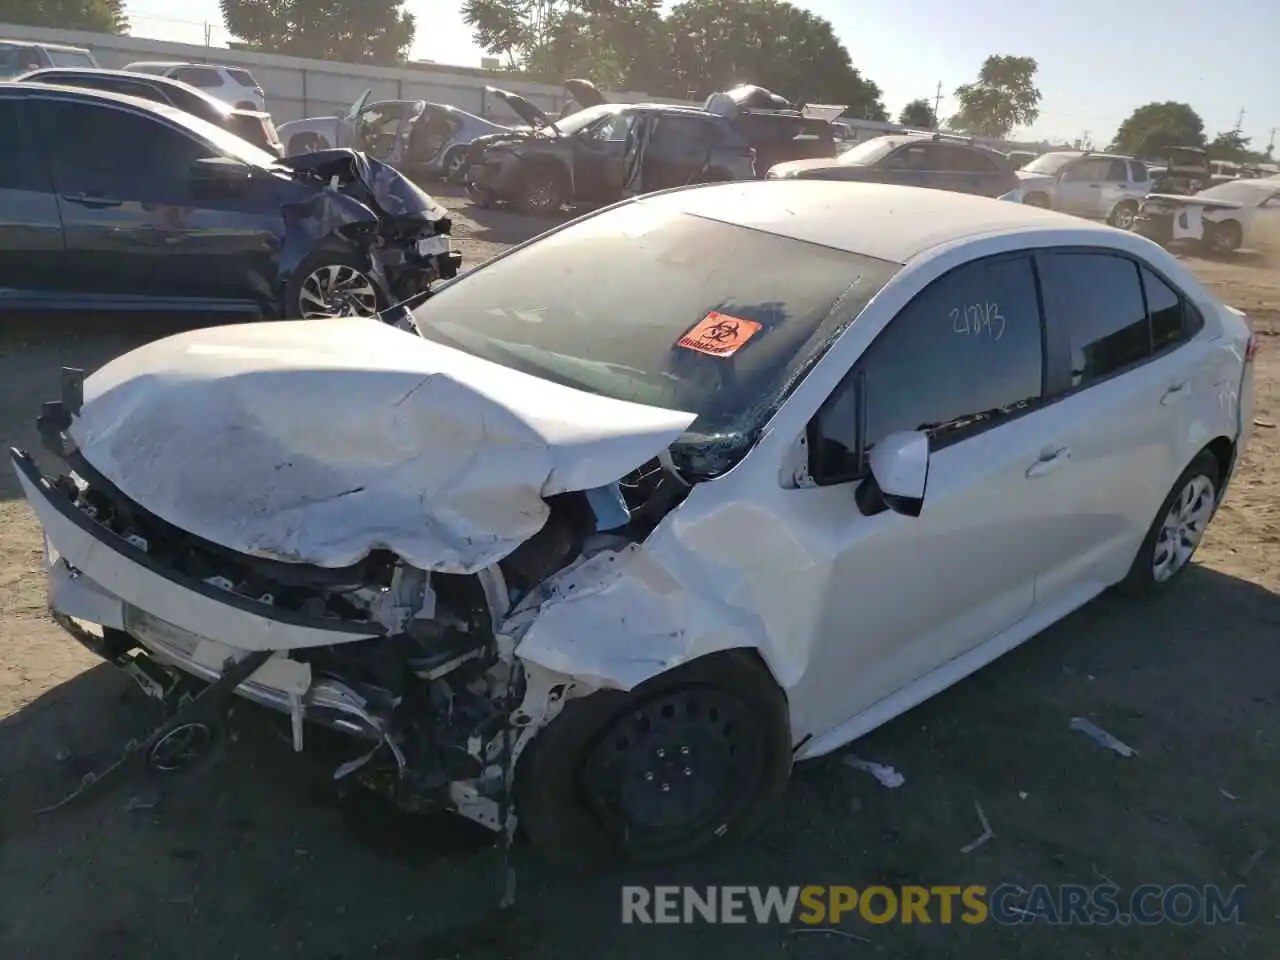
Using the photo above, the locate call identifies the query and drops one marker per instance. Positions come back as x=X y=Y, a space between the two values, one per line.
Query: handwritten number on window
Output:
x=978 y=319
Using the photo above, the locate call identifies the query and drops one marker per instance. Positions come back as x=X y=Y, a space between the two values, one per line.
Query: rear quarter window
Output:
x=207 y=77
x=242 y=77
x=70 y=58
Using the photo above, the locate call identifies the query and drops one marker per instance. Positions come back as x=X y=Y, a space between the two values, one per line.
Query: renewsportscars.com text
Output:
x=943 y=904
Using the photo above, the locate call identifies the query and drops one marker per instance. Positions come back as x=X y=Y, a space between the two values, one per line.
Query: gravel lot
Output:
x=253 y=856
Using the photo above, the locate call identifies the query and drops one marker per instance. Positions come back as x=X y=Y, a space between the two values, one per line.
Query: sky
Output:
x=1099 y=59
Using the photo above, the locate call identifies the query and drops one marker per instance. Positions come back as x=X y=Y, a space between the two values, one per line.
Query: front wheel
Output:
x=1222 y=238
x=332 y=284
x=454 y=162
x=662 y=772
x=542 y=193
x=1177 y=530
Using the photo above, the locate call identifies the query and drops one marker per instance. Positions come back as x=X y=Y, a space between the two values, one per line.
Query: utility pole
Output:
x=937 y=102
x=1240 y=120
x=208 y=34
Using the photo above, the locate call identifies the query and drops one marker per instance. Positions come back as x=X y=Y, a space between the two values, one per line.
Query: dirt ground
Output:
x=254 y=856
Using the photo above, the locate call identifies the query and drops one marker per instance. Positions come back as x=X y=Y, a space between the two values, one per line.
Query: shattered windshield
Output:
x=1049 y=163
x=659 y=307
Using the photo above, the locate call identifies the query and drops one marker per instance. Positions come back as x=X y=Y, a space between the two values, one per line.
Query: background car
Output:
x=233 y=85
x=19 y=56
x=116 y=203
x=1099 y=186
x=423 y=139
x=915 y=160
x=252 y=125
x=1223 y=218
x=596 y=154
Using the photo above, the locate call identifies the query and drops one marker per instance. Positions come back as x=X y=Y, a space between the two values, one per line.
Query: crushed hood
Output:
x=525 y=110
x=390 y=190
x=319 y=441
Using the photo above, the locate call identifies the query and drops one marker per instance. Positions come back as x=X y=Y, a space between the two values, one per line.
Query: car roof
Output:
x=172 y=63
x=884 y=221
x=25 y=91
x=162 y=81
x=40 y=43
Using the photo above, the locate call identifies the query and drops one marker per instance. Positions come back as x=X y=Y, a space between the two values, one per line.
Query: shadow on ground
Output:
x=255 y=855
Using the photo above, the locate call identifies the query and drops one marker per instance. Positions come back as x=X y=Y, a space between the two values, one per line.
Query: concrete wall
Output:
x=297 y=88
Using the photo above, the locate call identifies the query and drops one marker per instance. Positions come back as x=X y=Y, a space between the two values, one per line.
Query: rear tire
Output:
x=453 y=164
x=664 y=771
x=1221 y=239
x=1124 y=215
x=1176 y=532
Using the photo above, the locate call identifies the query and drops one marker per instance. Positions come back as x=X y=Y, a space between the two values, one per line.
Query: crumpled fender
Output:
x=325 y=217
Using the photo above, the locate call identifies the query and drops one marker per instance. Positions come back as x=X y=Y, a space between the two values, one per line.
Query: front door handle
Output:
x=1171 y=394
x=1049 y=461
x=93 y=200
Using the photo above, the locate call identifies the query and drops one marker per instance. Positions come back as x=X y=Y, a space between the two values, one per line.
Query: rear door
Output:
x=915 y=165
x=599 y=153
x=1124 y=367
x=1080 y=187
x=978 y=172
x=136 y=226
x=31 y=244
x=1117 y=187
x=679 y=150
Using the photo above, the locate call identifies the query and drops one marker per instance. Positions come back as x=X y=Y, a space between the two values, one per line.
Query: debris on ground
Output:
x=987 y=832
x=1022 y=794
x=887 y=776
x=142 y=801
x=1253 y=860
x=1264 y=423
x=1101 y=737
x=1228 y=794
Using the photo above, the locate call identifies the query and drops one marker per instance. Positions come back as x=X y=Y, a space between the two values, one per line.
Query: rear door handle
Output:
x=1171 y=394
x=1049 y=461
x=94 y=200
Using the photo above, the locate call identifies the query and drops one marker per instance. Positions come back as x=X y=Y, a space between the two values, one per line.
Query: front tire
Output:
x=541 y=194
x=1176 y=531
x=1222 y=239
x=332 y=283
x=664 y=771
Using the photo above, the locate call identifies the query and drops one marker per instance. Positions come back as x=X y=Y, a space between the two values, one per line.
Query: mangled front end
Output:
x=378 y=518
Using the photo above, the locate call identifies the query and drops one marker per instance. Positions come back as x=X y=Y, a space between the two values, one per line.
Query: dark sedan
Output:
x=252 y=125
x=116 y=203
x=913 y=160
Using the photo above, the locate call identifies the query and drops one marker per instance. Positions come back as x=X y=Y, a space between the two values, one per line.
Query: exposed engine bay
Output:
x=437 y=701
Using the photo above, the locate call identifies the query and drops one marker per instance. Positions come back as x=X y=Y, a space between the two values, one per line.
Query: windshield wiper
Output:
x=970 y=419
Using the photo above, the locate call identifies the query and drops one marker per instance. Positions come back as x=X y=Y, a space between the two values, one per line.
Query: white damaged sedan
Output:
x=653 y=505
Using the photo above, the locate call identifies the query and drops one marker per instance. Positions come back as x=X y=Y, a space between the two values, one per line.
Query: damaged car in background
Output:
x=639 y=512
x=1221 y=219
x=610 y=150
x=125 y=204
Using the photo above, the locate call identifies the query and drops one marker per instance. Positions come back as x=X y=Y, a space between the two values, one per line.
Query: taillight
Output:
x=1251 y=348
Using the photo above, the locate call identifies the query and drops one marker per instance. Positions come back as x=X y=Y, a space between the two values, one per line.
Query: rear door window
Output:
x=70 y=58
x=1095 y=301
x=960 y=160
x=20 y=167
x=206 y=77
x=1138 y=171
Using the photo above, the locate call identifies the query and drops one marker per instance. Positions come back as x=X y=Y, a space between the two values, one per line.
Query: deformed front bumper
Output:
x=98 y=578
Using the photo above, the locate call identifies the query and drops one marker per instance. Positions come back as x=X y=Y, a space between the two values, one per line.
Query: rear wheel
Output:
x=1124 y=215
x=1177 y=530
x=658 y=773
x=454 y=161
x=1222 y=238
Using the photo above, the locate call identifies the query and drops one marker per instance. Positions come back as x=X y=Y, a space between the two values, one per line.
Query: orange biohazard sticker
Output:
x=719 y=335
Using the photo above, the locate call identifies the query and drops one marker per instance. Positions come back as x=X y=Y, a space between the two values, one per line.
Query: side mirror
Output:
x=899 y=466
x=220 y=170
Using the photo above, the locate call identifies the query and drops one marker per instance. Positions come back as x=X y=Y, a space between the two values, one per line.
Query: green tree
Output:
x=1156 y=126
x=1003 y=97
x=717 y=44
x=349 y=31
x=918 y=113
x=98 y=16
x=1232 y=145
x=613 y=43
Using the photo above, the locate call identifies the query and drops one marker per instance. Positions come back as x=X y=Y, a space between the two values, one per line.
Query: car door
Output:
x=598 y=158
x=31 y=244
x=136 y=224
x=961 y=170
x=905 y=595
x=1080 y=187
x=678 y=151
x=1117 y=187
x=913 y=165
x=1122 y=379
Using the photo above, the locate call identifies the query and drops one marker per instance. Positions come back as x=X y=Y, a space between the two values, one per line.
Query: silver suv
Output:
x=1100 y=186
